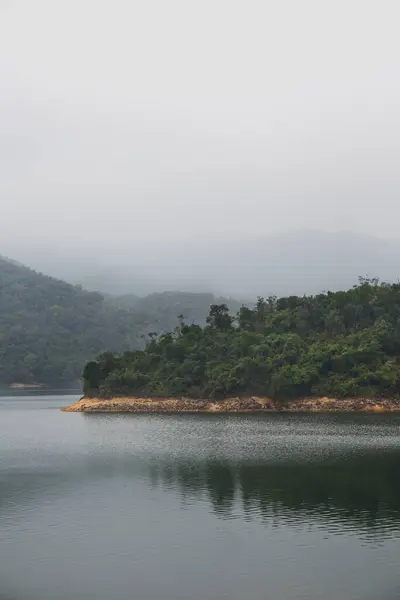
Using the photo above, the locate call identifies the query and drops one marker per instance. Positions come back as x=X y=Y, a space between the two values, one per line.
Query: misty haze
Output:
x=199 y=299
x=171 y=150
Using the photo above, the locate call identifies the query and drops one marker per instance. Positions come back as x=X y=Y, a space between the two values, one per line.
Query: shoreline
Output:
x=25 y=386
x=247 y=404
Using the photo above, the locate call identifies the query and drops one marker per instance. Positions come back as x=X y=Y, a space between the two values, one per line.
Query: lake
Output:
x=197 y=507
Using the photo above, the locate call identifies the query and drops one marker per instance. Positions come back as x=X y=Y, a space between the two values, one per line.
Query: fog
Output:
x=152 y=135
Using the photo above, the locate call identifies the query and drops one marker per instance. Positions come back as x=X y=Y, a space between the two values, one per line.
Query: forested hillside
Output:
x=339 y=344
x=49 y=329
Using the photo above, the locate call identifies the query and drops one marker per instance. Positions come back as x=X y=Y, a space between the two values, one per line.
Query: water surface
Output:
x=196 y=507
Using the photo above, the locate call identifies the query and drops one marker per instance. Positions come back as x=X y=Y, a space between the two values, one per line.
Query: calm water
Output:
x=213 y=507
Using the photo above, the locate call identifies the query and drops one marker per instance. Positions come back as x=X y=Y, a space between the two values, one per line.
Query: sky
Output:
x=129 y=125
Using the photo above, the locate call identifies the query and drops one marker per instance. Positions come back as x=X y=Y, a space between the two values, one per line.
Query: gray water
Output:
x=214 y=507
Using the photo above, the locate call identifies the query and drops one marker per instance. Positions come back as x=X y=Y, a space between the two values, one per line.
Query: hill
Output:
x=342 y=344
x=49 y=329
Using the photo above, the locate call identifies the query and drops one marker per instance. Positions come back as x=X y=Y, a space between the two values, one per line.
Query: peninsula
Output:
x=333 y=351
x=229 y=405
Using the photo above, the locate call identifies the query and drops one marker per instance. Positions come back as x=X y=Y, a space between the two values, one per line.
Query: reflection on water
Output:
x=359 y=493
x=279 y=506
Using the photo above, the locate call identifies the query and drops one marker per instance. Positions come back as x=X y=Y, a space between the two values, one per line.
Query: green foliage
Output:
x=219 y=317
x=50 y=329
x=337 y=344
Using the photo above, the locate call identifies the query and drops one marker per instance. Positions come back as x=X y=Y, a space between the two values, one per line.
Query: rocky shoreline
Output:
x=230 y=405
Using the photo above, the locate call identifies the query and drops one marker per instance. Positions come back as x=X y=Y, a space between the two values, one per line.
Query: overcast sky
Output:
x=150 y=120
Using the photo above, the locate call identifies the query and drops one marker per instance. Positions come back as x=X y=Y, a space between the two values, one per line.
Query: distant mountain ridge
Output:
x=11 y=261
x=49 y=329
x=163 y=308
x=243 y=267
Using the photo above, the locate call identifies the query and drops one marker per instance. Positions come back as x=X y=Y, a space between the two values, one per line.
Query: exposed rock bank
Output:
x=230 y=405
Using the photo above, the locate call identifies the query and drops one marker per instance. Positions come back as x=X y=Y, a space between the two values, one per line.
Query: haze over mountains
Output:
x=242 y=267
x=157 y=161
x=50 y=328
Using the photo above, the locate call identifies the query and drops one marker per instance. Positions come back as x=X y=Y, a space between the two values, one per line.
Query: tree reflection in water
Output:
x=359 y=493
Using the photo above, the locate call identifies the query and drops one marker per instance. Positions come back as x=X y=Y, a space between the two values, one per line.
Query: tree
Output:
x=219 y=317
x=337 y=344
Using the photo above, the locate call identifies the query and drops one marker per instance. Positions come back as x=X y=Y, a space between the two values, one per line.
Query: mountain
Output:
x=163 y=308
x=49 y=329
x=292 y=262
x=10 y=261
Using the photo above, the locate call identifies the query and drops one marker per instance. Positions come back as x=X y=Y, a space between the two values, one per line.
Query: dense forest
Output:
x=49 y=329
x=341 y=344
